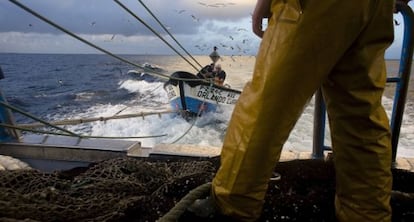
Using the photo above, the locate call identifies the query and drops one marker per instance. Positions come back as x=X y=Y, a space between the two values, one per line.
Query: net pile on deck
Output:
x=121 y=189
x=129 y=189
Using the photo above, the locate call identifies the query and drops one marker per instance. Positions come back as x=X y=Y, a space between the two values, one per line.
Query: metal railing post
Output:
x=319 y=126
x=400 y=93
x=403 y=75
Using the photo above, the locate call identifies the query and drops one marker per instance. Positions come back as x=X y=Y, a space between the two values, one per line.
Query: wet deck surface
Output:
x=405 y=163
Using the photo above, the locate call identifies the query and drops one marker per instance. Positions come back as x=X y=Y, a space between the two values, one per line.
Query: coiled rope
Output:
x=175 y=212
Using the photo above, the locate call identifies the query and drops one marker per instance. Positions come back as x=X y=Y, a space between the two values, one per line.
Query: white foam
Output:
x=301 y=136
x=84 y=96
x=209 y=130
x=153 y=91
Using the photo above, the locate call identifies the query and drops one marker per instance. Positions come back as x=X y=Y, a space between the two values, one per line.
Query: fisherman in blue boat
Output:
x=206 y=72
x=214 y=56
x=337 y=46
x=219 y=75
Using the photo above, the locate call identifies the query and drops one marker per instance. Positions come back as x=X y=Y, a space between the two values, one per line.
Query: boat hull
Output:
x=197 y=96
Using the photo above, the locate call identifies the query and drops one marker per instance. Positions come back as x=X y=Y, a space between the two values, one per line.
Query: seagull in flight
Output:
x=180 y=11
x=195 y=18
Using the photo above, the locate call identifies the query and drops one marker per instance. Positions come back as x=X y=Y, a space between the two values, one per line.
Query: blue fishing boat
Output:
x=194 y=96
x=79 y=178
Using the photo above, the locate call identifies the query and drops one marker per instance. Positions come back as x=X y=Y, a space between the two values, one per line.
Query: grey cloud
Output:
x=106 y=17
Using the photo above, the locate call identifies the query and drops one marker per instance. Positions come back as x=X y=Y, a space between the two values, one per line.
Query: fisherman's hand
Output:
x=261 y=11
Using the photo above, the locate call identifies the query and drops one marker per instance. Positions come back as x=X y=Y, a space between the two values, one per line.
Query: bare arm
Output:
x=261 y=11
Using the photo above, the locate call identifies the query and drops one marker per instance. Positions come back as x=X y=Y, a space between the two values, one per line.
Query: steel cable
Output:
x=168 y=32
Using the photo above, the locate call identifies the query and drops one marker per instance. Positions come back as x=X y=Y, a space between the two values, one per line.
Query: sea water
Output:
x=56 y=86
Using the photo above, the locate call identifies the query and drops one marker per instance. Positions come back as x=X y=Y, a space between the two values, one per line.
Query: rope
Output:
x=80 y=136
x=22 y=6
x=150 y=71
x=198 y=114
x=81 y=39
x=126 y=107
x=168 y=32
x=153 y=31
x=175 y=212
x=38 y=119
x=67 y=132
x=93 y=119
x=185 y=133
x=402 y=196
x=120 y=111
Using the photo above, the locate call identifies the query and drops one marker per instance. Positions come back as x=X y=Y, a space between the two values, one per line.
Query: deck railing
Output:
x=401 y=81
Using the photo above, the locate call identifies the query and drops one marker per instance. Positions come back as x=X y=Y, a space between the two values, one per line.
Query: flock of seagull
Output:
x=229 y=45
x=235 y=48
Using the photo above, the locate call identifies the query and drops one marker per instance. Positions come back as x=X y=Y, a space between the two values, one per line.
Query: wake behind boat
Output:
x=142 y=76
x=139 y=75
x=116 y=186
x=190 y=94
x=193 y=95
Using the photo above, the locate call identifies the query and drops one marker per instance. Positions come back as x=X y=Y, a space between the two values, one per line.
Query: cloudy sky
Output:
x=197 y=24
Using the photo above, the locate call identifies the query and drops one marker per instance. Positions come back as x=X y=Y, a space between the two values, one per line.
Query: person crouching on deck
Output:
x=219 y=75
x=206 y=72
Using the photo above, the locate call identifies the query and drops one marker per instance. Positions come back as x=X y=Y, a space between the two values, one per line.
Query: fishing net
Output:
x=123 y=189
x=128 y=189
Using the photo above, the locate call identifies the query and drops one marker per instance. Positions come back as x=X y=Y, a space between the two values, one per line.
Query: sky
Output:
x=197 y=25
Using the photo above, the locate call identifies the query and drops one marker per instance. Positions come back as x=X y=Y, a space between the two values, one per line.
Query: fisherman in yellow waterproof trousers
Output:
x=336 y=45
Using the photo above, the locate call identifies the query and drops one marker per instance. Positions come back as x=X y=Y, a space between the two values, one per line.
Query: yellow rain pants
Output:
x=334 y=44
